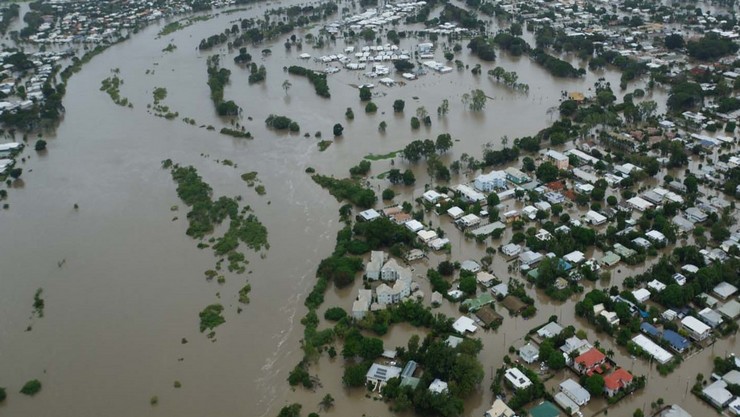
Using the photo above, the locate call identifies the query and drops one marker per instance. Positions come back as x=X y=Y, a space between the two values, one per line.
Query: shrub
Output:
x=31 y=387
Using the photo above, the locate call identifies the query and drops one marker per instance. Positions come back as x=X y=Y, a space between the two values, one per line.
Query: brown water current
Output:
x=131 y=283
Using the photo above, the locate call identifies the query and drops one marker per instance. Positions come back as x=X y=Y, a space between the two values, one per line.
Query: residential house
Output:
x=656 y=236
x=470 y=266
x=414 y=226
x=640 y=204
x=656 y=286
x=575 y=392
x=381 y=374
x=574 y=344
x=530 y=258
x=467 y=221
x=717 y=393
x=426 y=236
x=730 y=309
x=501 y=289
x=610 y=259
x=558 y=159
x=455 y=212
x=651 y=348
x=499 y=409
x=529 y=353
x=710 y=317
x=511 y=249
x=617 y=381
x=588 y=361
x=369 y=215
x=641 y=295
x=695 y=215
x=438 y=386
x=517 y=379
x=696 y=329
x=551 y=329
x=464 y=324
x=392 y=271
x=516 y=176
x=469 y=194
x=724 y=290
x=485 y=279
x=595 y=218
x=432 y=196
x=677 y=342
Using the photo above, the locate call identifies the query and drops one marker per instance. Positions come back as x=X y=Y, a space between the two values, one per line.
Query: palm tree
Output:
x=286 y=86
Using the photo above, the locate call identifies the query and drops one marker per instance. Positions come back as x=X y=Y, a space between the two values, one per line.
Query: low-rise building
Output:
x=710 y=317
x=499 y=409
x=595 y=218
x=575 y=392
x=494 y=180
x=558 y=159
x=516 y=176
x=529 y=353
x=381 y=374
x=696 y=329
x=617 y=381
x=517 y=379
x=589 y=360
x=549 y=330
x=372 y=269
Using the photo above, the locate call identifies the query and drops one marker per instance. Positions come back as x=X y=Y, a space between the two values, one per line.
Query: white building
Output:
x=697 y=330
x=657 y=352
x=372 y=269
x=494 y=180
x=575 y=392
x=517 y=378
x=595 y=218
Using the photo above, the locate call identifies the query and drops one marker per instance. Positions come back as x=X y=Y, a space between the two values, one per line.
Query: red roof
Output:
x=591 y=358
x=555 y=185
x=617 y=379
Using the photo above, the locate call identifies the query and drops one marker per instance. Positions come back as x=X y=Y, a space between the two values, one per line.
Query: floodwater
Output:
x=123 y=284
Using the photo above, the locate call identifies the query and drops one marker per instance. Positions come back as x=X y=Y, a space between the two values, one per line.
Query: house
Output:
x=511 y=249
x=494 y=180
x=623 y=251
x=610 y=259
x=656 y=285
x=674 y=411
x=432 y=196
x=638 y=203
x=464 y=324
x=617 y=381
x=455 y=212
x=499 y=409
x=551 y=329
x=543 y=206
x=438 y=243
x=652 y=349
x=469 y=194
x=470 y=266
x=696 y=329
x=710 y=317
x=558 y=159
x=641 y=295
x=677 y=342
x=369 y=215
x=677 y=186
x=584 y=176
x=379 y=375
x=414 y=226
x=392 y=295
x=485 y=279
x=574 y=344
x=530 y=258
x=543 y=235
x=361 y=305
x=724 y=290
x=730 y=309
x=679 y=278
x=595 y=218
x=575 y=392
x=584 y=188
x=656 y=236
x=530 y=212
x=717 y=393
x=500 y=290
x=641 y=243
x=611 y=317
x=426 y=236
x=695 y=215
x=529 y=353
x=589 y=360
x=516 y=176
x=566 y=403
x=438 y=386
x=511 y=216
x=517 y=379
x=554 y=198
x=372 y=269
x=469 y=220
x=488 y=316
x=575 y=257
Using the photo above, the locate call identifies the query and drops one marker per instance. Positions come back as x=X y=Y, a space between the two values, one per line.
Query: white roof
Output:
x=464 y=324
x=693 y=324
x=382 y=373
x=575 y=257
x=656 y=285
x=641 y=295
x=640 y=203
x=657 y=352
x=455 y=212
x=426 y=234
x=575 y=391
x=369 y=214
x=438 y=386
x=414 y=225
x=517 y=378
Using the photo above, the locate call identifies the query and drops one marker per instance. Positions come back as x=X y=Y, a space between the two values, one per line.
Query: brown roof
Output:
x=555 y=185
x=513 y=304
x=488 y=316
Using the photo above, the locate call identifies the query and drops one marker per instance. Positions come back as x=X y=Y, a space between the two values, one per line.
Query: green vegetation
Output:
x=347 y=189
x=40 y=145
x=111 y=86
x=281 y=123
x=3 y=394
x=31 y=387
x=710 y=47
x=244 y=293
x=316 y=78
x=181 y=24
x=217 y=79
x=257 y=74
x=293 y=410
x=235 y=133
x=211 y=317
x=159 y=94
x=556 y=66
x=324 y=144
x=335 y=314
x=374 y=157
x=154 y=400
x=169 y=48
x=38 y=303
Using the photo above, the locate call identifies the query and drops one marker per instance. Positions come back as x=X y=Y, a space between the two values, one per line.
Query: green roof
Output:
x=475 y=304
x=546 y=409
x=410 y=381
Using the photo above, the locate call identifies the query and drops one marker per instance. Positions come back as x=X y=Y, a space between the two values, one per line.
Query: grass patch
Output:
x=373 y=157
x=244 y=294
x=169 y=48
x=260 y=189
x=111 y=85
x=324 y=144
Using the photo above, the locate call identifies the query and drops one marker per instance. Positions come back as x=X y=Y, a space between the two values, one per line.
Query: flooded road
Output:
x=131 y=283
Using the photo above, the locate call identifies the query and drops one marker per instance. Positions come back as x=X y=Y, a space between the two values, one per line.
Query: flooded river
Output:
x=123 y=284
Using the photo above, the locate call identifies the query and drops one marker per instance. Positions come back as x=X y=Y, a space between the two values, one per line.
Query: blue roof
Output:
x=676 y=340
x=564 y=265
x=649 y=329
x=409 y=369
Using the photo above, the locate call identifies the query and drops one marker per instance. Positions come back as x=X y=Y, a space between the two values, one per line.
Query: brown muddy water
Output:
x=131 y=283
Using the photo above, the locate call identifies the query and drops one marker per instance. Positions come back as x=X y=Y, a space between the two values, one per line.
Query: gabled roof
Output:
x=617 y=379
x=590 y=358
